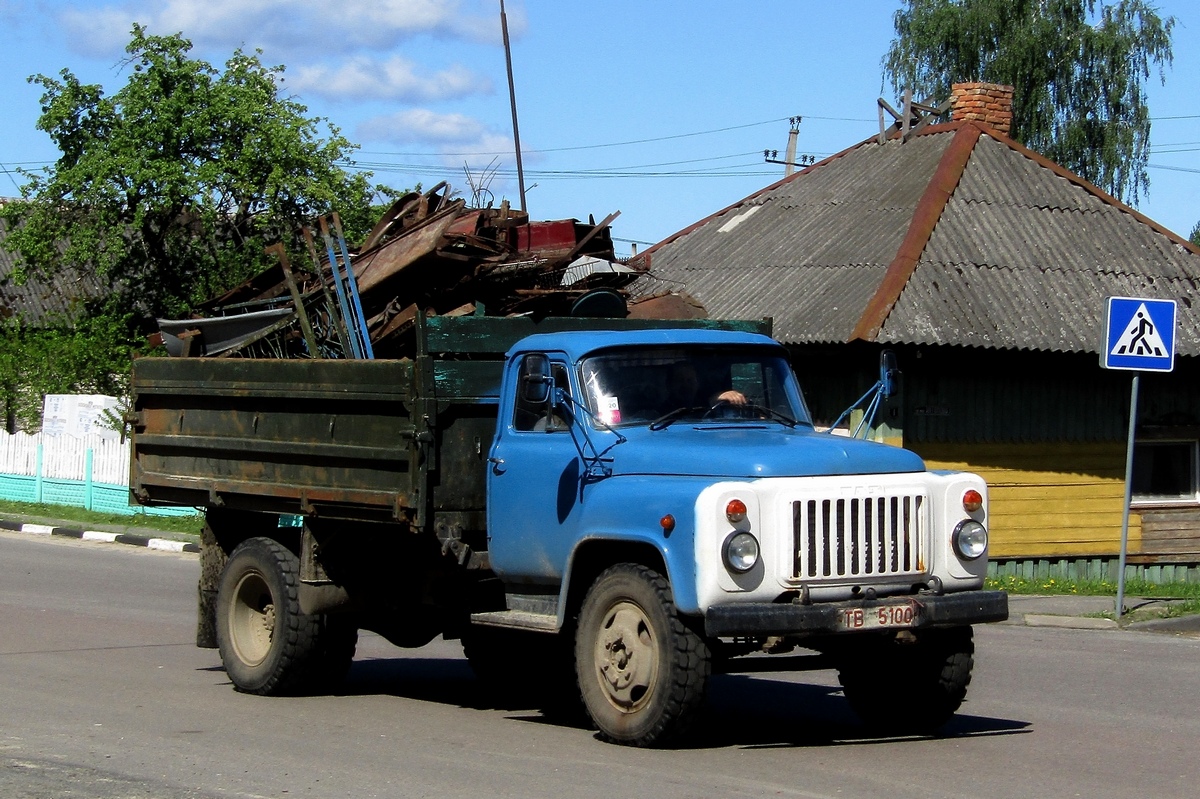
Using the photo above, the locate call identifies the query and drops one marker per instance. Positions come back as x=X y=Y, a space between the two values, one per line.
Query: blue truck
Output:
x=605 y=512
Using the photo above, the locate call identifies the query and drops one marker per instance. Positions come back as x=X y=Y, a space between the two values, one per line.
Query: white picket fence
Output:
x=89 y=471
x=65 y=457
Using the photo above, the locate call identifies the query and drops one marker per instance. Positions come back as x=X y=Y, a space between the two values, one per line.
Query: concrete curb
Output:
x=1070 y=622
x=162 y=544
x=1176 y=624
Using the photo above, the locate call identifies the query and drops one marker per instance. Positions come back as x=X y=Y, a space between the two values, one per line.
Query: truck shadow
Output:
x=747 y=711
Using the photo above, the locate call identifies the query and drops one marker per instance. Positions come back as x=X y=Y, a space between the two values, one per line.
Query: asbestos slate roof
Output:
x=39 y=302
x=957 y=236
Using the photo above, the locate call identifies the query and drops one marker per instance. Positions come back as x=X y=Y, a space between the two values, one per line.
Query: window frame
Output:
x=1187 y=499
x=556 y=420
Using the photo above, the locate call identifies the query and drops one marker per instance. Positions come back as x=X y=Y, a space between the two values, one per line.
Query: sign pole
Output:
x=1139 y=335
x=1133 y=404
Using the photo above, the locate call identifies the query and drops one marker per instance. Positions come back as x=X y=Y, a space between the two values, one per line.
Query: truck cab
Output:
x=692 y=455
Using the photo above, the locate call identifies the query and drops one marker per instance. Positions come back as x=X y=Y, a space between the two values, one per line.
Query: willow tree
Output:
x=1079 y=70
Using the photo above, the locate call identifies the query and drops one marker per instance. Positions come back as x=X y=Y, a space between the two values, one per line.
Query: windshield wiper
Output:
x=672 y=416
x=739 y=412
x=771 y=413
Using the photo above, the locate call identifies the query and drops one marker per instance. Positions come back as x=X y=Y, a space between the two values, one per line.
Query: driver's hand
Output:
x=732 y=397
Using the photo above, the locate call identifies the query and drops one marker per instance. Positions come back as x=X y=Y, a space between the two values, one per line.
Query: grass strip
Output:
x=1057 y=586
x=189 y=525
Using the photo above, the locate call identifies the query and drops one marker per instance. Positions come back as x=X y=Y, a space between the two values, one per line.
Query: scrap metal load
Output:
x=429 y=255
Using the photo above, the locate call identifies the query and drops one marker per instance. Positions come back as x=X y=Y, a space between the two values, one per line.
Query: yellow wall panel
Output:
x=1051 y=500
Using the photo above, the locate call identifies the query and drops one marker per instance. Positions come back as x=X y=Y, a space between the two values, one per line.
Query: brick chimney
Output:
x=989 y=103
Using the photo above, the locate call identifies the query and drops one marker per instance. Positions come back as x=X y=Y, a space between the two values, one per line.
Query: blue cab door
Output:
x=534 y=479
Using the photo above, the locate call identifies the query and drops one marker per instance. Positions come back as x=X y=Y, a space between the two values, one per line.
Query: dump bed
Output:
x=393 y=440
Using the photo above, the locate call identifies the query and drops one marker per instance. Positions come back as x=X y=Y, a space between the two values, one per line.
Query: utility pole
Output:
x=793 y=136
x=512 y=97
x=791 y=160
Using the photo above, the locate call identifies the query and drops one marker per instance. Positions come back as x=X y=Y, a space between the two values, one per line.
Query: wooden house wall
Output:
x=1047 y=501
x=1046 y=430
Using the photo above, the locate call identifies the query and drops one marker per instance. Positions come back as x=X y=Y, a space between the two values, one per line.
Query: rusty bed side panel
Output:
x=275 y=435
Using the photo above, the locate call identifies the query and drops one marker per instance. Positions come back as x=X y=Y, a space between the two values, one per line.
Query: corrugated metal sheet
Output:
x=815 y=251
x=999 y=174
x=42 y=303
x=1021 y=257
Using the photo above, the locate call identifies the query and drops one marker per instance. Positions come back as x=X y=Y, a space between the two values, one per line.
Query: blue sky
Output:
x=658 y=110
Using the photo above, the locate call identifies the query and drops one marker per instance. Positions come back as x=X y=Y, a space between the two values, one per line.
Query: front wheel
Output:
x=642 y=670
x=267 y=645
x=912 y=684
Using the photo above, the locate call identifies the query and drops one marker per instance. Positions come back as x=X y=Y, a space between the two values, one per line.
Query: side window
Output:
x=1166 y=472
x=540 y=416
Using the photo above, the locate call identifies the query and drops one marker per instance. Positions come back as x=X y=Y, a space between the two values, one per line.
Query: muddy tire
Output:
x=642 y=670
x=268 y=647
x=899 y=687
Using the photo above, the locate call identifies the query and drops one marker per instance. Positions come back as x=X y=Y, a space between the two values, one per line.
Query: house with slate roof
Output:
x=38 y=302
x=985 y=268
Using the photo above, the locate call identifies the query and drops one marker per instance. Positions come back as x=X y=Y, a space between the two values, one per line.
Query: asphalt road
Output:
x=104 y=696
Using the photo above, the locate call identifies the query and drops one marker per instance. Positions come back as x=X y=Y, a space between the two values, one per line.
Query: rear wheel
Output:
x=642 y=671
x=267 y=645
x=903 y=685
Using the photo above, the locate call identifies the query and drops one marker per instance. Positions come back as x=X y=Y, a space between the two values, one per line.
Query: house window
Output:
x=1166 y=472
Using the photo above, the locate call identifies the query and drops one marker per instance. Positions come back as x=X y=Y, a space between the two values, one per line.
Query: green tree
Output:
x=1195 y=237
x=83 y=358
x=170 y=188
x=1078 y=68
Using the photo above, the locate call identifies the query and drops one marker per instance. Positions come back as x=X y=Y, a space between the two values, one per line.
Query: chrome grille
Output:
x=859 y=536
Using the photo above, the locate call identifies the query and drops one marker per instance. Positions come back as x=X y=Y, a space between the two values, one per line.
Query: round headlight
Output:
x=970 y=539
x=741 y=552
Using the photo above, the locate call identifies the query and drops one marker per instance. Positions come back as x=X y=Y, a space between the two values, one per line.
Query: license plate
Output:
x=878 y=617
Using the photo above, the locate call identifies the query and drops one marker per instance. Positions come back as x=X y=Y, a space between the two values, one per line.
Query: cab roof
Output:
x=577 y=344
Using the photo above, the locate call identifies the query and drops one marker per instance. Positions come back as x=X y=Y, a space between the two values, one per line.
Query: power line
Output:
x=11 y=176
x=743 y=170
x=600 y=146
x=625 y=143
x=1173 y=168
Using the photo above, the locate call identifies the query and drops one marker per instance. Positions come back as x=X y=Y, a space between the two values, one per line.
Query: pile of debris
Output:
x=430 y=254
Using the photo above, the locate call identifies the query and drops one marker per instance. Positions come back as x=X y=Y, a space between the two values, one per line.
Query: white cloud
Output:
x=285 y=28
x=98 y=33
x=422 y=126
x=363 y=78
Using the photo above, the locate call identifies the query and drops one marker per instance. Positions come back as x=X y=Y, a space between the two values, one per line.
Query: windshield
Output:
x=642 y=385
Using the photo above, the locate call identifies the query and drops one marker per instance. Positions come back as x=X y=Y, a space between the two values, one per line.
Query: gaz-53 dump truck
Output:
x=605 y=510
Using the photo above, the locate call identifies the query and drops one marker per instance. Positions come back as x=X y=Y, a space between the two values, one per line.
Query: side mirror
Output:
x=888 y=372
x=535 y=380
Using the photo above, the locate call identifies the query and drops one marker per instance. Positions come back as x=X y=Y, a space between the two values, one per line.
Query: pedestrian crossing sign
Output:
x=1139 y=334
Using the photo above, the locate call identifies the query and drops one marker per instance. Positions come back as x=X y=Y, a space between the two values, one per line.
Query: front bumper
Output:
x=768 y=618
